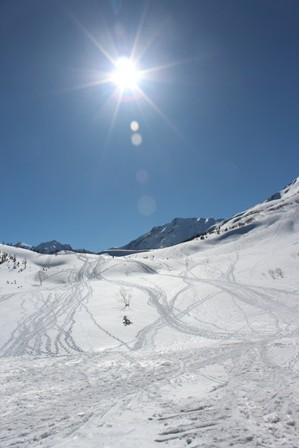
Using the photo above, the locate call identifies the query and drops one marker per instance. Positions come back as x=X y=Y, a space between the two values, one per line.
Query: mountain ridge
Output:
x=174 y=232
x=177 y=231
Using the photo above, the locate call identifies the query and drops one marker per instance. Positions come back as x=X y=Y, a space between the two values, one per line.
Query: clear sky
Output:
x=219 y=121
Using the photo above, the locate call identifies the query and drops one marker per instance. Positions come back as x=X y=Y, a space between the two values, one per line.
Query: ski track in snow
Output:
x=215 y=362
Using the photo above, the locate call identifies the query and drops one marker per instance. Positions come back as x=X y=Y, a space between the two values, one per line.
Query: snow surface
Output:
x=211 y=359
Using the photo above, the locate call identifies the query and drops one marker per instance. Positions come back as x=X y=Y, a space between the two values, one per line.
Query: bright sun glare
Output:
x=126 y=75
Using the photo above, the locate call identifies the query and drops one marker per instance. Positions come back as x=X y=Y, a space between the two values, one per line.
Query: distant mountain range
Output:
x=49 y=247
x=174 y=232
x=177 y=231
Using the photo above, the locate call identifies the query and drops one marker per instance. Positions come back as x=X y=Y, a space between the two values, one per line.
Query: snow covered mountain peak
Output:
x=174 y=232
x=279 y=210
x=52 y=247
x=292 y=188
x=289 y=190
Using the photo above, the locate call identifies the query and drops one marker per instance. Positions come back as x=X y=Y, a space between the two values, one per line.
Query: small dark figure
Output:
x=126 y=321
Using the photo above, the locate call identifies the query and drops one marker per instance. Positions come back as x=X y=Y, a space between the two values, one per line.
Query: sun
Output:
x=126 y=74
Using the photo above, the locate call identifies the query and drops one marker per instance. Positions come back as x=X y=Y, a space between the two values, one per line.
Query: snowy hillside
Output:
x=211 y=358
x=174 y=232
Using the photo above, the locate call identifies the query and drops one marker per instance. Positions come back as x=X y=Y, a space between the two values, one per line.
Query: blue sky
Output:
x=226 y=137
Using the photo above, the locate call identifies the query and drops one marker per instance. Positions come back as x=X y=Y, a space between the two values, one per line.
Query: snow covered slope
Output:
x=174 y=232
x=210 y=360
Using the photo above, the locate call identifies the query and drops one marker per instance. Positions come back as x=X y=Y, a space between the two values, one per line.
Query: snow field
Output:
x=211 y=359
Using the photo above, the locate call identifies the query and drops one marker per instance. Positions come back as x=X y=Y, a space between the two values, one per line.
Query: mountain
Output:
x=210 y=358
x=22 y=245
x=267 y=212
x=51 y=247
x=174 y=232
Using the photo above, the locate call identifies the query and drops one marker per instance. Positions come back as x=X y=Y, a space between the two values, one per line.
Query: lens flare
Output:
x=147 y=205
x=134 y=125
x=136 y=139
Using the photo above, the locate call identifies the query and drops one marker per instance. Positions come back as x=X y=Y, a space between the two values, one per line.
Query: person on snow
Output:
x=126 y=321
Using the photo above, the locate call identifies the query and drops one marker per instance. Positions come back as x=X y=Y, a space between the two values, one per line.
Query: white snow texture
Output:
x=211 y=358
